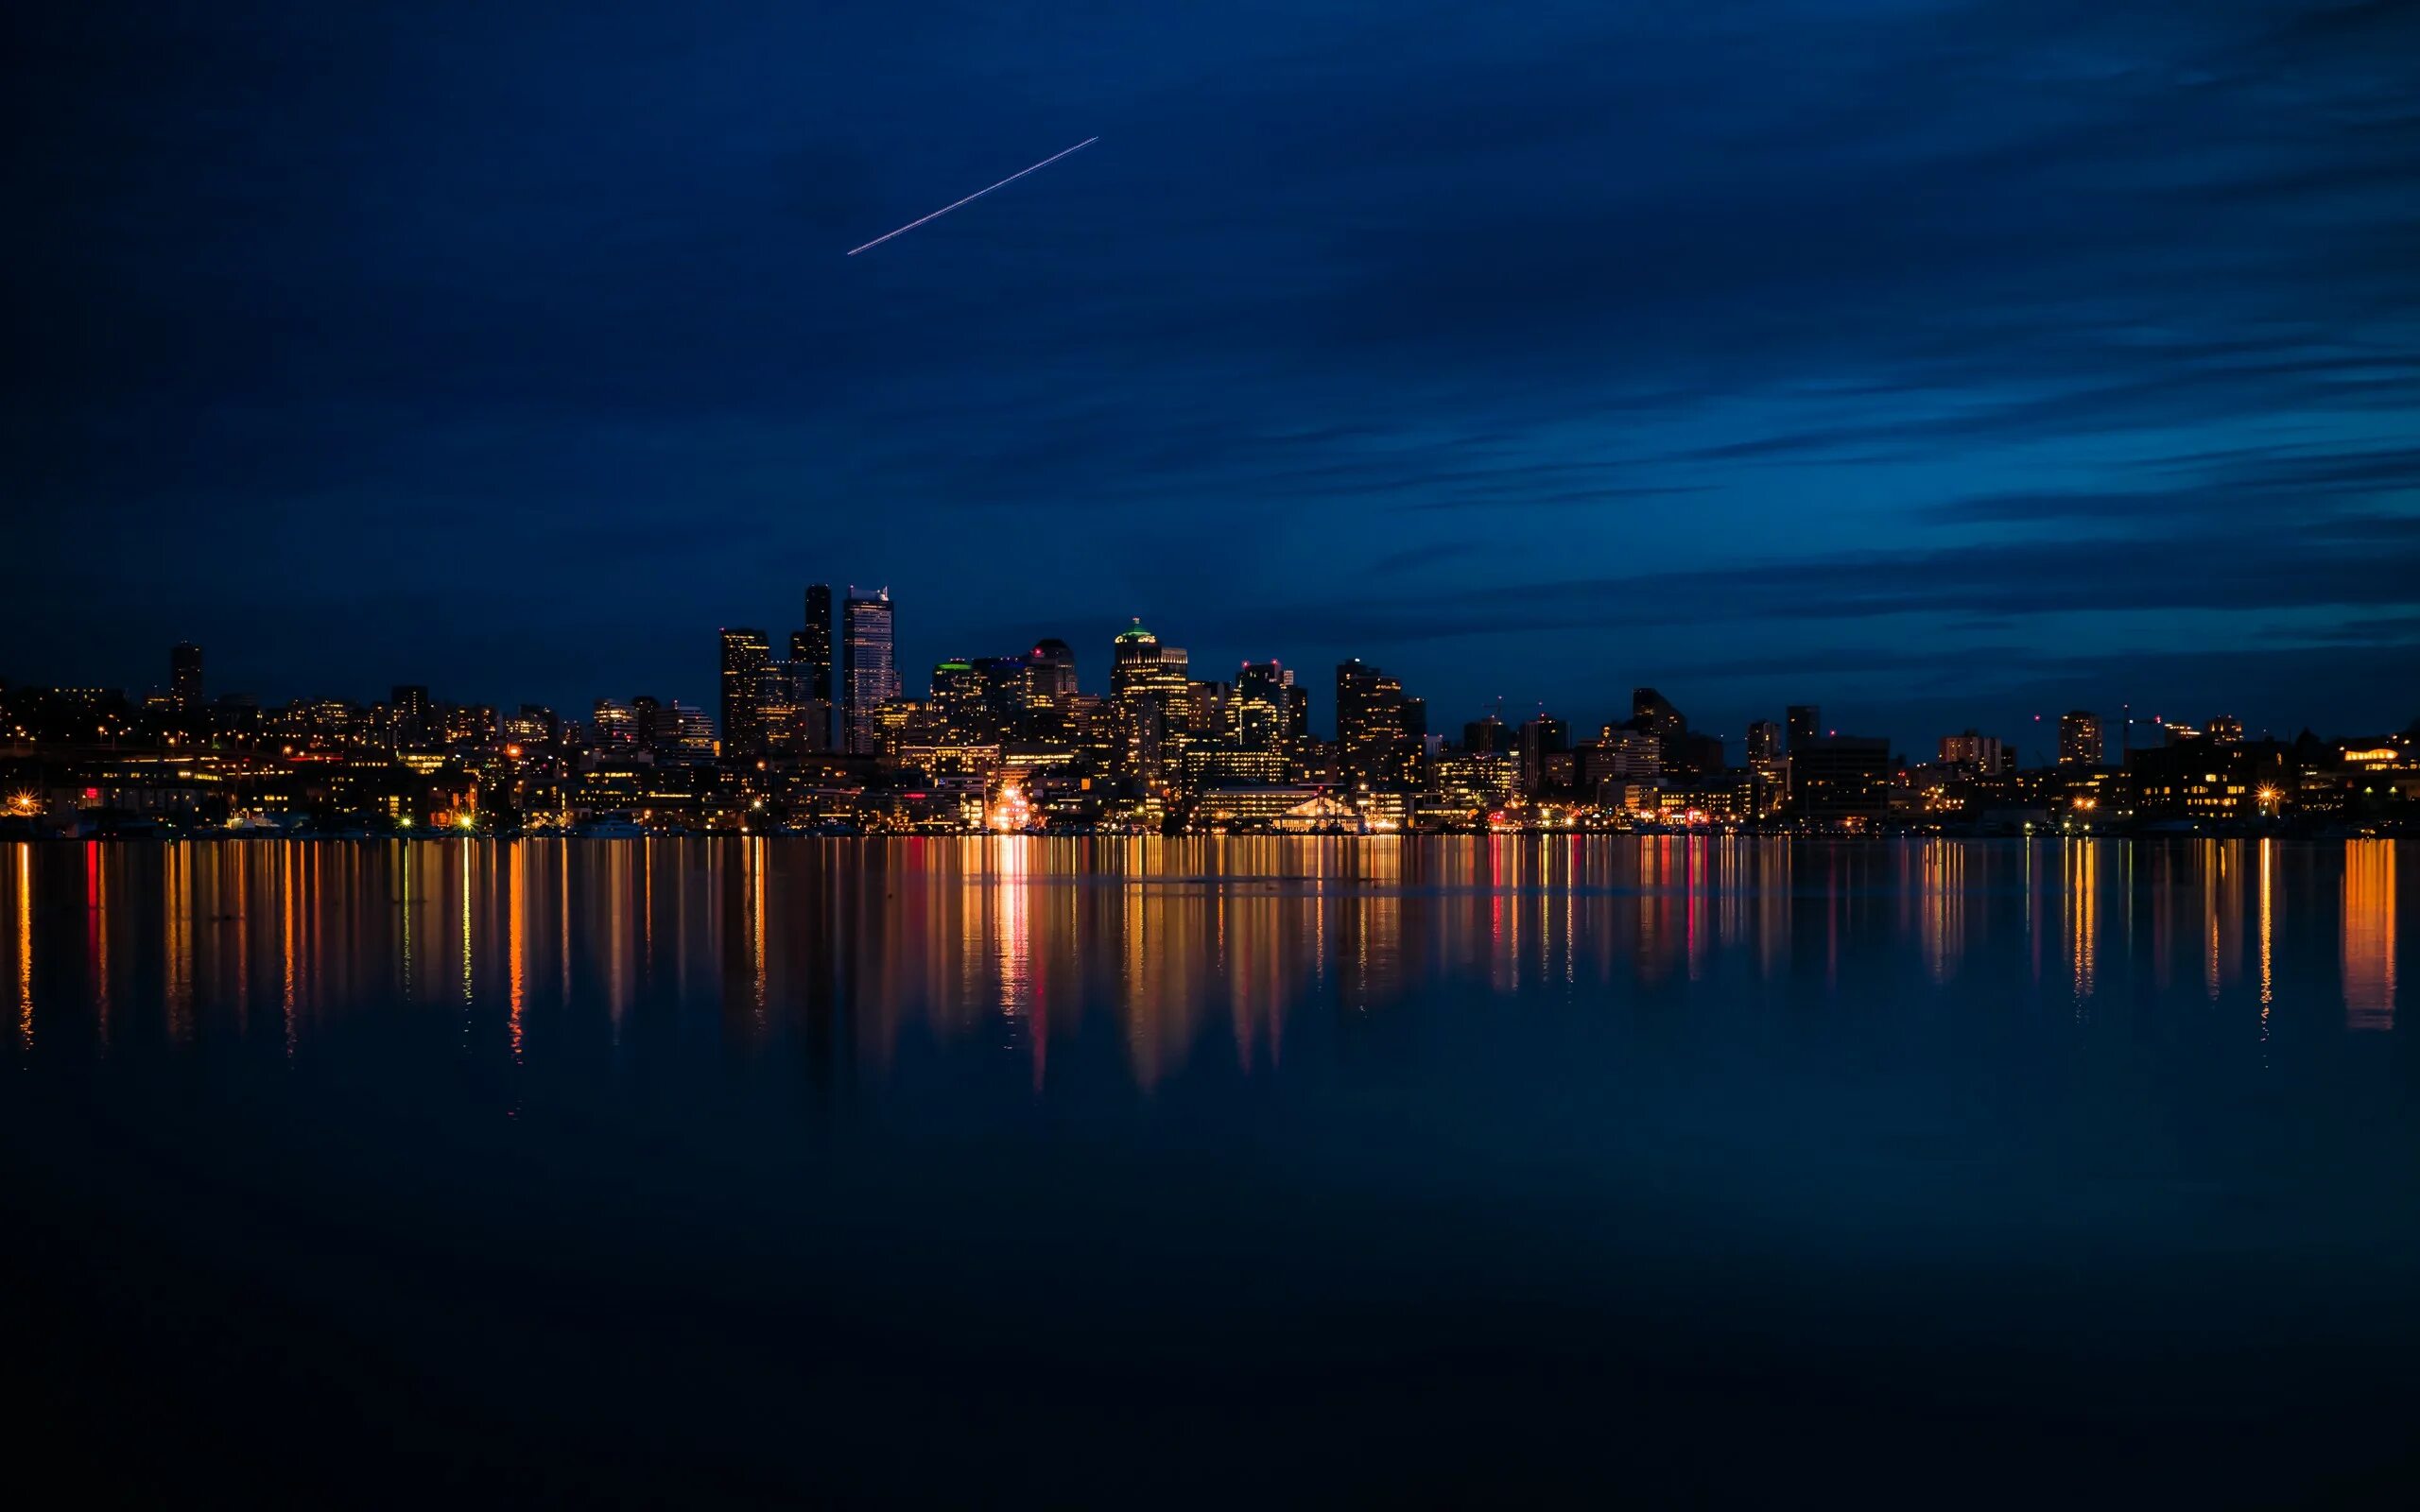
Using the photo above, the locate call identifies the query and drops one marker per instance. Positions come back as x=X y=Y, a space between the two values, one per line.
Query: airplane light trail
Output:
x=971 y=199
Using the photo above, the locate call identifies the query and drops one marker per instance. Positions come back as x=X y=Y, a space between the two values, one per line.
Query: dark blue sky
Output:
x=1940 y=362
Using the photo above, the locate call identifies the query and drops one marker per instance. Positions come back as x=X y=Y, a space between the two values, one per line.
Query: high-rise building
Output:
x=1380 y=732
x=684 y=731
x=2224 y=727
x=654 y=731
x=1806 y=723
x=1542 y=738
x=957 y=699
x=1768 y=769
x=812 y=645
x=1051 y=674
x=184 y=674
x=1259 y=712
x=1979 y=754
x=1841 y=777
x=811 y=667
x=1003 y=694
x=2082 y=742
x=1651 y=712
x=1488 y=735
x=614 y=724
x=868 y=676
x=1153 y=692
x=408 y=705
x=747 y=660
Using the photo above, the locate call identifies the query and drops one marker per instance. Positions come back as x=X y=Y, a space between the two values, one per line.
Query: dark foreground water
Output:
x=1266 y=1171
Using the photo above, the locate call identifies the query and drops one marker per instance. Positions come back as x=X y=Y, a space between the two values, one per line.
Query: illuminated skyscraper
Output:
x=957 y=699
x=1261 y=709
x=2081 y=741
x=746 y=660
x=1149 y=683
x=1543 y=740
x=869 y=674
x=614 y=724
x=1379 y=730
x=1051 y=675
x=184 y=674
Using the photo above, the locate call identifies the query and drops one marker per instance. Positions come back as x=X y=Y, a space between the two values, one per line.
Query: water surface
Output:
x=1191 y=1169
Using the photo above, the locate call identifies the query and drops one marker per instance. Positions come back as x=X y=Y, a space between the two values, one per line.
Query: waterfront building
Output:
x=1804 y=722
x=1842 y=777
x=1380 y=730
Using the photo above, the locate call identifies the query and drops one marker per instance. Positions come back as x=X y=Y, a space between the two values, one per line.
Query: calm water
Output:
x=1280 y=1170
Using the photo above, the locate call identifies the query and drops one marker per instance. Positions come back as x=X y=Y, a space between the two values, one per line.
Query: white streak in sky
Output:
x=971 y=199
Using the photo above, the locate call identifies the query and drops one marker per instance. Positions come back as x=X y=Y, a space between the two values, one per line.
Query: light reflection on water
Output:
x=1505 y=1151
x=1191 y=947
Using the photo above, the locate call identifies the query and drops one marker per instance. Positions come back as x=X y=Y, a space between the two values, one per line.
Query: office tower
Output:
x=1806 y=723
x=1978 y=753
x=812 y=645
x=1488 y=735
x=654 y=733
x=1051 y=675
x=1001 y=695
x=1259 y=714
x=746 y=659
x=1541 y=740
x=684 y=731
x=1841 y=777
x=1768 y=769
x=1141 y=667
x=2224 y=727
x=1379 y=729
x=1651 y=712
x=811 y=671
x=794 y=719
x=184 y=674
x=1150 y=685
x=957 y=699
x=2081 y=740
x=408 y=705
x=868 y=676
x=615 y=725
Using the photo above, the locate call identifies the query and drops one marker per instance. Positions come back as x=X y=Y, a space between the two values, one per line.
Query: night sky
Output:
x=1944 y=363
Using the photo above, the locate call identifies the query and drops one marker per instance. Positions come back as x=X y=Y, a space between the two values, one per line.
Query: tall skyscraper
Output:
x=1050 y=678
x=747 y=659
x=812 y=645
x=869 y=674
x=1259 y=711
x=1150 y=684
x=2082 y=742
x=811 y=664
x=1806 y=724
x=184 y=674
x=1764 y=741
x=1379 y=730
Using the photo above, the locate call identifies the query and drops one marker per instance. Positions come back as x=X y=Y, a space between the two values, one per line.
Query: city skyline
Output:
x=822 y=669
x=1964 y=362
